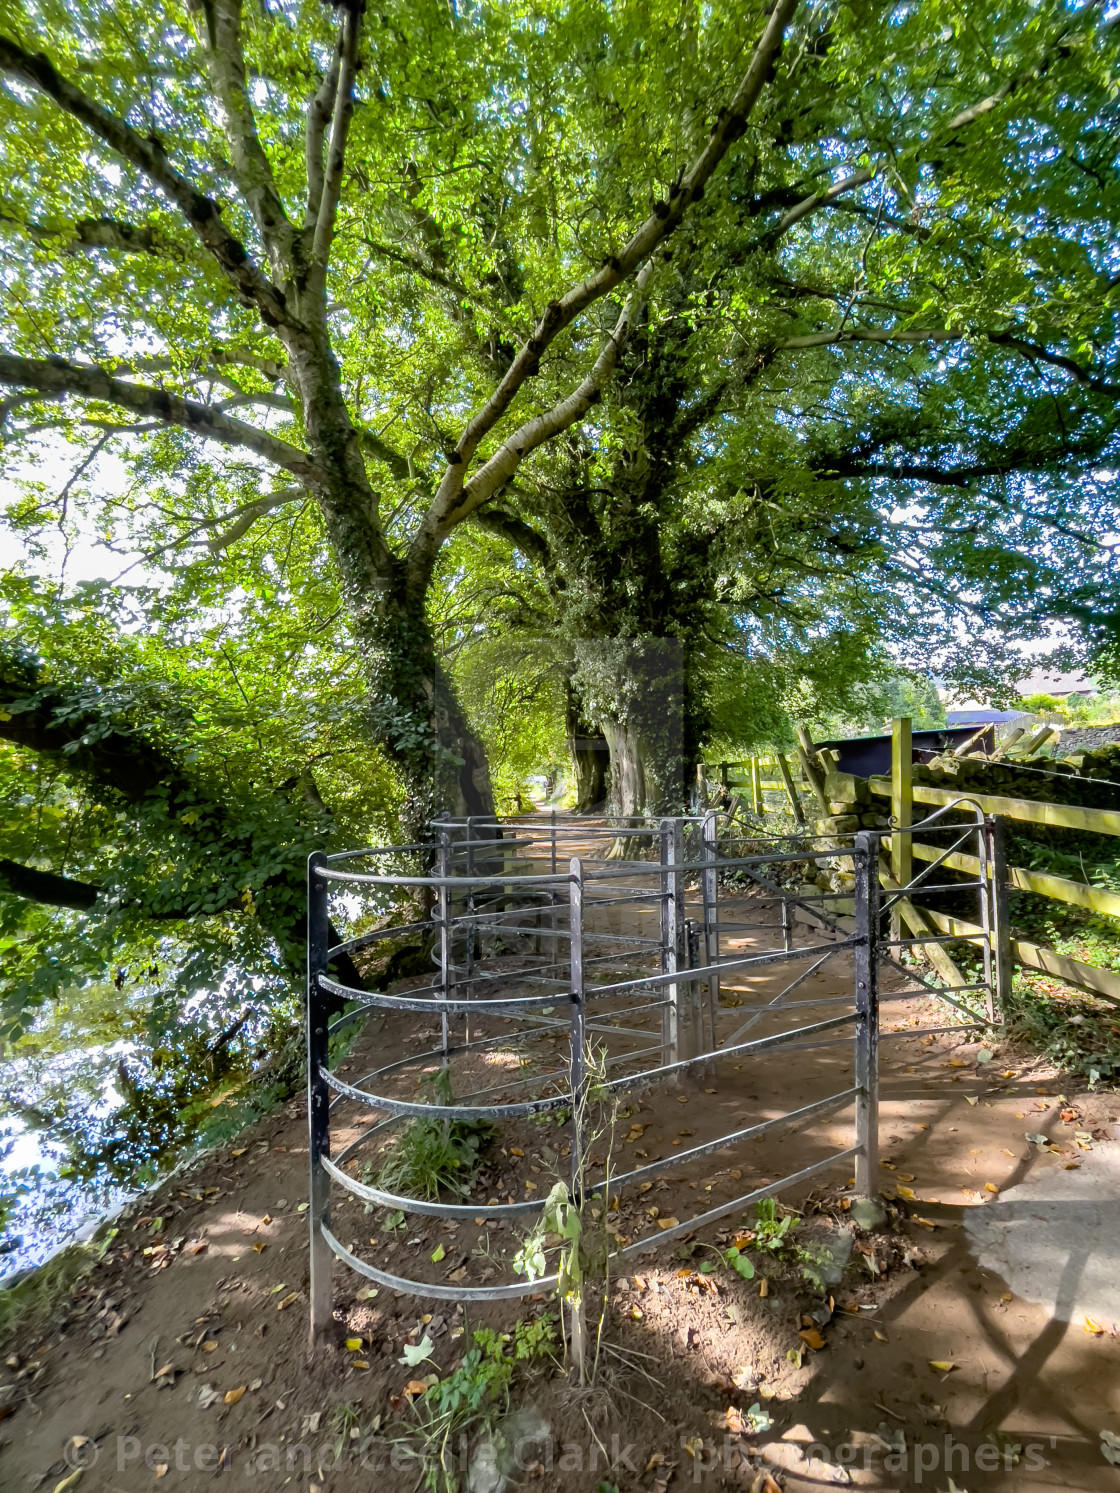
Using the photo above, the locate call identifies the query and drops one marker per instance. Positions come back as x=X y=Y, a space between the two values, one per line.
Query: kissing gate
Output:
x=614 y=942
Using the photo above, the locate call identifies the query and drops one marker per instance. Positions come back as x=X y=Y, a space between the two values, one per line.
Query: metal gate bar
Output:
x=680 y=996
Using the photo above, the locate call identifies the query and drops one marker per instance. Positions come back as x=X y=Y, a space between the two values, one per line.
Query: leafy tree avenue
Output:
x=278 y=264
x=408 y=288
x=439 y=364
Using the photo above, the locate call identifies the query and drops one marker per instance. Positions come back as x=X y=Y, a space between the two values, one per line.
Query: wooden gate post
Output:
x=757 y=802
x=791 y=791
x=902 y=809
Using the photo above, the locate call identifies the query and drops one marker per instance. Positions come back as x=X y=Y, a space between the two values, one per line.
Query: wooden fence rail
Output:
x=903 y=793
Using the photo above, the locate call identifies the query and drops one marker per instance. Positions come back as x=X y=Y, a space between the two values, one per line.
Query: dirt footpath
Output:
x=182 y=1356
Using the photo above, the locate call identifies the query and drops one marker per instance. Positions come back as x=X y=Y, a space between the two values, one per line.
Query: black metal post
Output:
x=866 y=951
x=318 y=1099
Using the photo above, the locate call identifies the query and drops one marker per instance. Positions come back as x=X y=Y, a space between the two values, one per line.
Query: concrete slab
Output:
x=1055 y=1239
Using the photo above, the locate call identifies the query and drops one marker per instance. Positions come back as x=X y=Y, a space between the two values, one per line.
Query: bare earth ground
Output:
x=183 y=1355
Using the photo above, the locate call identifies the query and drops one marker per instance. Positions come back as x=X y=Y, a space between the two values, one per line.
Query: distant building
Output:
x=1058 y=685
x=981 y=715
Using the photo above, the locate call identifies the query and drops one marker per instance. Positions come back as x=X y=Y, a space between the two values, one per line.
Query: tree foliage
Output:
x=432 y=369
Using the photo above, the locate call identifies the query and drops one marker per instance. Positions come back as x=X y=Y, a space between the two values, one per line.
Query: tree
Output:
x=868 y=420
x=183 y=108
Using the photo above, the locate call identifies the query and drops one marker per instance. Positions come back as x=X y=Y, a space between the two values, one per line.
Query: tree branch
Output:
x=319 y=113
x=820 y=199
x=86 y=235
x=350 y=32
x=1032 y=351
x=523 y=536
x=247 y=516
x=54 y=376
x=46 y=888
x=147 y=154
x=533 y=433
x=661 y=223
x=252 y=168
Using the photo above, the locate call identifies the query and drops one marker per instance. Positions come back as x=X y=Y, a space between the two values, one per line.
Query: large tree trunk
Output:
x=589 y=752
x=414 y=715
x=634 y=688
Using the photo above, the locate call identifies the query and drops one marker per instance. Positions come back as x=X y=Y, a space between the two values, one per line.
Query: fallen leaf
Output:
x=197 y=1247
x=70 y=1482
x=908 y=1193
x=881 y=1337
x=240 y=1151
x=657 y=1460
x=254 y=1385
x=353 y=1344
x=667 y=1223
x=359 y=1363
x=160 y=1469
x=206 y=1396
x=260 y=1247
x=232 y=1396
x=415 y=1387
x=812 y=1338
x=990 y=1187
x=209 y=1346
x=1093 y=1327
x=516 y=1151
x=694 y=1446
x=438 y=1253
x=942 y=1365
x=968 y=1099
x=289 y=1300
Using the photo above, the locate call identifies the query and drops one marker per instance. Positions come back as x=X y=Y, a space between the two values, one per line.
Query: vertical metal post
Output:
x=902 y=809
x=984 y=893
x=318 y=1099
x=787 y=926
x=695 y=1004
x=579 y=1087
x=1001 y=918
x=867 y=1012
x=468 y=909
x=709 y=891
x=672 y=934
x=445 y=950
x=578 y=1036
x=552 y=838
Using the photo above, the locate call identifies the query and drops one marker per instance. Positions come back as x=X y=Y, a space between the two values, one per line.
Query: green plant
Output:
x=435 y=1154
x=770 y=1227
x=476 y=1394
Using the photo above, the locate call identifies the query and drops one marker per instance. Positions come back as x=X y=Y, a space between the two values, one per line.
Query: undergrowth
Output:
x=472 y=1399
x=434 y=1155
x=1076 y=1033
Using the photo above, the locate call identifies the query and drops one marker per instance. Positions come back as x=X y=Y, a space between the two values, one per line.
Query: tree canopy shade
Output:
x=747 y=317
x=746 y=339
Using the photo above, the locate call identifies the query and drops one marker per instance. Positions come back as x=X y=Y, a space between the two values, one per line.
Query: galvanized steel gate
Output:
x=624 y=945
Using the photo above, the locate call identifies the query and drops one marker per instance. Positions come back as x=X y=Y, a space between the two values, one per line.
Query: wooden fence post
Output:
x=757 y=803
x=902 y=809
x=813 y=775
x=791 y=791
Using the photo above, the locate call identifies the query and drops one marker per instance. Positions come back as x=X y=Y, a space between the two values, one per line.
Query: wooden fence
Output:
x=904 y=793
x=902 y=850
